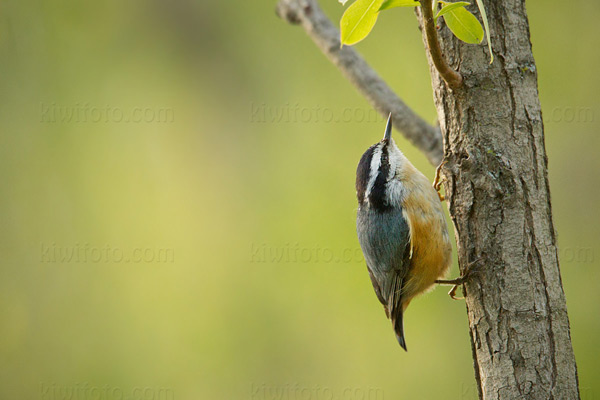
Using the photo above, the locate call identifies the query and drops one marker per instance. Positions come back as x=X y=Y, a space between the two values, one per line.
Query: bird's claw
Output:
x=460 y=280
x=452 y=293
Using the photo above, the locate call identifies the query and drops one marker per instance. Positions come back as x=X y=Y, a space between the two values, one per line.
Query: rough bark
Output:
x=499 y=200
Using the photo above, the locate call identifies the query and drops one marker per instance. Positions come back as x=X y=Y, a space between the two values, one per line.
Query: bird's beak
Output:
x=388 y=129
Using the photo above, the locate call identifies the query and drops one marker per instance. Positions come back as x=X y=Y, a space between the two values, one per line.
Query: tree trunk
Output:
x=499 y=201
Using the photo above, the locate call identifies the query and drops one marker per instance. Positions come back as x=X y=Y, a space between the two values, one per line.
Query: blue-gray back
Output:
x=384 y=239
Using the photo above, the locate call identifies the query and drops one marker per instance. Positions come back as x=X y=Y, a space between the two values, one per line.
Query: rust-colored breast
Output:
x=431 y=250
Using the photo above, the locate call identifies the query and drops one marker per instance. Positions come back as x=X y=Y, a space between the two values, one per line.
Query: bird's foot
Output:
x=460 y=280
x=438 y=180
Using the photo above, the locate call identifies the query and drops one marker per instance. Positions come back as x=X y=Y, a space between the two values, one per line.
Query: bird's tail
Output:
x=397 y=307
x=399 y=329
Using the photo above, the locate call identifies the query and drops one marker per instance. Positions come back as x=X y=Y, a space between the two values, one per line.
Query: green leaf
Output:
x=358 y=20
x=487 y=28
x=387 y=4
x=464 y=25
x=449 y=7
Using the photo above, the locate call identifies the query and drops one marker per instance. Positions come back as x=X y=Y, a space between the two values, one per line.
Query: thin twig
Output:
x=452 y=78
x=309 y=15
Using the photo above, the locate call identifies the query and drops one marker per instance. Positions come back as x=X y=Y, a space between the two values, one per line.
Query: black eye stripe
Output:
x=362 y=173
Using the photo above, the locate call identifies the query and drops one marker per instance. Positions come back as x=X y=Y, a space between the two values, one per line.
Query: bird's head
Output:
x=377 y=168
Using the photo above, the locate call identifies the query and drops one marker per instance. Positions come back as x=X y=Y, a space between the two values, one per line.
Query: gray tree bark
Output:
x=498 y=195
x=499 y=200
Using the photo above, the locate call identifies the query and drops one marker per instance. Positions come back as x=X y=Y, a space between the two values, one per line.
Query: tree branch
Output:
x=452 y=78
x=309 y=15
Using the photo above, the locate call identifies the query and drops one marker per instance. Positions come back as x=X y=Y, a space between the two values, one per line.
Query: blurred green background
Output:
x=168 y=233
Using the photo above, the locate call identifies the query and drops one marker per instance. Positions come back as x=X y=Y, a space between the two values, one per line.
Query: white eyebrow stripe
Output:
x=374 y=169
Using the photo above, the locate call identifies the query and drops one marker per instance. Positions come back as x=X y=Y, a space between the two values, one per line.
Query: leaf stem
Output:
x=452 y=77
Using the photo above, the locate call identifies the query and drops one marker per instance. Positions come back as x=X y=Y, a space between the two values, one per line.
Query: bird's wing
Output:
x=375 y=283
x=385 y=241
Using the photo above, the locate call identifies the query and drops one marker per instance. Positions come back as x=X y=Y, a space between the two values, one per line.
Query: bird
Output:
x=401 y=228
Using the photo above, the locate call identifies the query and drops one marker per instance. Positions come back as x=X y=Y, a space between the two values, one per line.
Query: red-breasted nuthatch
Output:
x=401 y=228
